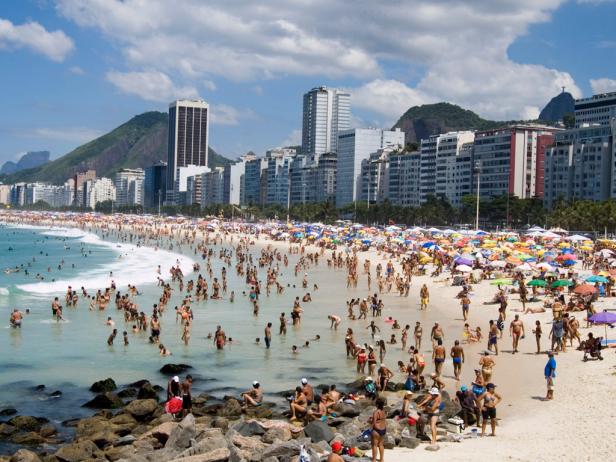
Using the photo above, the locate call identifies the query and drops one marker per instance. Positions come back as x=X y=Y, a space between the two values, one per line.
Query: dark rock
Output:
x=174 y=369
x=147 y=392
x=319 y=431
x=259 y=412
x=55 y=394
x=451 y=408
x=27 y=423
x=29 y=438
x=70 y=423
x=78 y=451
x=249 y=429
x=231 y=408
x=200 y=400
x=48 y=430
x=409 y=442
x=138 y=383
x=6 y=430
x=104 y=385
x=346 y=410
x=8 y=412
x=282 y=451
x=141 y=409
x=127 y=393
x=104 y=401
x=39 y=388
x=158 y=388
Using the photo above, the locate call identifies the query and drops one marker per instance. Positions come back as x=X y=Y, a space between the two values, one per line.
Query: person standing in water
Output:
x=268 y=335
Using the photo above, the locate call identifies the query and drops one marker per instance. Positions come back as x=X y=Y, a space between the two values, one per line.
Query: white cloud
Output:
x=209 y=85
x=55 y=45
x=223 y=114
x=150 y=85
x=603 y=85
x=459 y=47
x=293 y=139
x=76 y=70
x=69 y=134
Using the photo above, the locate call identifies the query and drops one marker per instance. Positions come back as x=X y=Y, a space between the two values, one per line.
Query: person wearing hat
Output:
x=173 y=387
x=253 y=397
x=370 y=387
x=431 y=406
x=488 y=401
x=308 y=391
x=468 y=402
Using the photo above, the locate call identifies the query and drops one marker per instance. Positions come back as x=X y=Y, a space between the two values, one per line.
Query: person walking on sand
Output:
x=457 y=355
x=550 y=374
x=516 y=331
x=537 y=331
x=489 y=400
x=493 y=337
x=424 y=295
x=466 y=304
x=417 y=333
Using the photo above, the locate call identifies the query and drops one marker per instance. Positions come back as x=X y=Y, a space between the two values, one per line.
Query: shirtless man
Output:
x=457 y=355
x=424 y=295
x=253 y=397
x=516 y=330
x=16 y=318
x=283 y=325
x=436 y=334
x=220 y=338
x=186 y=388
x=438 y=355
x=335 y=321
x=268 y=335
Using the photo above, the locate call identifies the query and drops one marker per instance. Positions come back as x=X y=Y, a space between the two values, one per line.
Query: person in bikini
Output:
x=379 y=429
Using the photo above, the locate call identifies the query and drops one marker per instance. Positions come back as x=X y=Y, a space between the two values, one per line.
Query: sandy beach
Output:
x=575 y=426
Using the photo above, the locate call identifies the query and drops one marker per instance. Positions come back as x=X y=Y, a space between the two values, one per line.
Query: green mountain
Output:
x=420 y=122
x=138 y=143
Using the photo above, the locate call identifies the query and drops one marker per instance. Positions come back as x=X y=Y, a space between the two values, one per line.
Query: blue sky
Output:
x=74 y=69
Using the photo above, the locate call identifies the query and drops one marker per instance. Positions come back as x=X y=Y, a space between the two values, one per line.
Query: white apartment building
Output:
x=595 y=110
x=5 y=194
x=354 y=146
x=129 y=186
x=99 y=190
x=326 y=113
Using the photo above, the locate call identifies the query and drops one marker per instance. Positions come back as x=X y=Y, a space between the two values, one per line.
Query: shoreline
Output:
x=520 y=379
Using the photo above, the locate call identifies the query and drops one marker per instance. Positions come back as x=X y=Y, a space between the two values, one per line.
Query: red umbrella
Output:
x=585 y=289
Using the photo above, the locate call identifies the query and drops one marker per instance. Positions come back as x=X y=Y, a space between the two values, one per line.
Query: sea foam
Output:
x=132 y=265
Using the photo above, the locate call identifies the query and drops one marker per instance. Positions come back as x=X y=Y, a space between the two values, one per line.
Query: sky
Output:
x=72 y=70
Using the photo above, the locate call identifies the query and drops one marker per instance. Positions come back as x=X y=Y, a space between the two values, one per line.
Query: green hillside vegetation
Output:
x=420 y=122
x=138 y=143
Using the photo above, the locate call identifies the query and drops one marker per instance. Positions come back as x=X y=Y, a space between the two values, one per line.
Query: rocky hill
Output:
x=138 y=143
x=28 y=160
x=558 y=108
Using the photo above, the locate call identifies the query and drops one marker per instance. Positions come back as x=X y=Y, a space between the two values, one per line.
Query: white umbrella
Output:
x=524 y=267
x=577 y=238
x=498 y=264
x=464 y=268
x=545 y=266
x=536 y=228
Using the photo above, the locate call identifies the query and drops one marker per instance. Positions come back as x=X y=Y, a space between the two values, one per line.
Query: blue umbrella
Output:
x=463 y=261
x=596 y=278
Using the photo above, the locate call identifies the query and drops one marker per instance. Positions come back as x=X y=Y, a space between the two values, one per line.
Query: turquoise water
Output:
x=70 y=355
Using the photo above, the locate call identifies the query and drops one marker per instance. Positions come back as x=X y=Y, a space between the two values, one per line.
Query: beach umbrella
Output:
x=585 y=289
x=502 y=282
x=464 y=268
x=524 y=267
x=498 y=264
x=605 y=317
x=595 y=278
x=562 y=283
x=463 y=261
x=537 y=283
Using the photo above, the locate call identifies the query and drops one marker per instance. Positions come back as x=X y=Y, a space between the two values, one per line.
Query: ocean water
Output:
x=69 y=356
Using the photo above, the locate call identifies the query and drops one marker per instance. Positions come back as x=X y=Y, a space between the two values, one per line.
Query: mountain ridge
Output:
x=137 y=143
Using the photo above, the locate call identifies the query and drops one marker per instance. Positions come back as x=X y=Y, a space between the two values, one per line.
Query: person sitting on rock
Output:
x=253 y=397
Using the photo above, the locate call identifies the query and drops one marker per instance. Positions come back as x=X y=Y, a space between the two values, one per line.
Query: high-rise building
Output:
x=511 y=160
x=440 y=154
x=327 y=112
x=129 y=186
x=254 y=183
x=580 y=165
x=353 y=147
x=375 y=177
x=234 y=179
x=188 y=141
x=404 y=178
x=213 y=187
x=155 y=185
x=5 y=194
x=596 y=110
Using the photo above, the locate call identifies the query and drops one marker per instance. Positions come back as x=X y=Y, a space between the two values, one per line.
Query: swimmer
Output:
x=112 y=337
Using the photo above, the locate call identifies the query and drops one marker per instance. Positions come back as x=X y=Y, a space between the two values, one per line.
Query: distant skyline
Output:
x=75 y=69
